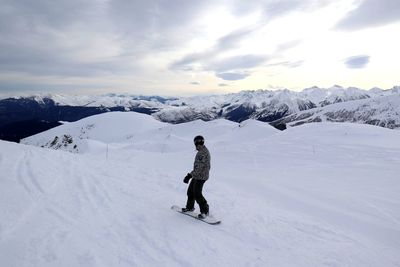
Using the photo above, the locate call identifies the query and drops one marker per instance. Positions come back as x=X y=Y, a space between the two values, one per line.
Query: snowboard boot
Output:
x=187 y=210
x=202 y=216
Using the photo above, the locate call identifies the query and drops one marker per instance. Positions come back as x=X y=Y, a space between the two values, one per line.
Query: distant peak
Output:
x=337 y=87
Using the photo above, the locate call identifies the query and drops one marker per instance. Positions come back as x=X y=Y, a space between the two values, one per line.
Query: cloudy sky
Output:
x=183 y=47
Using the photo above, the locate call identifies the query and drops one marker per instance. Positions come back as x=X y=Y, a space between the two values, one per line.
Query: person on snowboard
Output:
x=199 y=176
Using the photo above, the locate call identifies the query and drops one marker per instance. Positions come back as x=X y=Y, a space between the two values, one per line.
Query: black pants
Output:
x=195 y=193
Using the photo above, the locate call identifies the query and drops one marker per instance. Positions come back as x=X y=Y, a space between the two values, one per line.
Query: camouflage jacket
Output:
x=202 y=165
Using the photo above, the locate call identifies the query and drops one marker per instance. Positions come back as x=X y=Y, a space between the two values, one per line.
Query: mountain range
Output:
x=23 y=116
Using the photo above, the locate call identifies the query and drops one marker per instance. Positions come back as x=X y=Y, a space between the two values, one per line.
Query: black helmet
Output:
x=198 y=140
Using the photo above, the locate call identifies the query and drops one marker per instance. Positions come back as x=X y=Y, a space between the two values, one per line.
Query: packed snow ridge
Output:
x=321 y=194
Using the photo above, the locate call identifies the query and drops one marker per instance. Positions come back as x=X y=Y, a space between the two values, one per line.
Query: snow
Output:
x=256 y=104
x=103 y=128
x=331 y=95
x=383 y=111
x=109 y=100
x=321 y=194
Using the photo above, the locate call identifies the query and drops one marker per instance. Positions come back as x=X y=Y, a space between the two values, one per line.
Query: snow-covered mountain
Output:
x=259 y=98
x=382 y=111
x=264 y=105
x=107 y=100
x=322 y=194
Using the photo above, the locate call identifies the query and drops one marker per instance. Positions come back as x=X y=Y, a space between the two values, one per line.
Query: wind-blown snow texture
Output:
x=322 y=194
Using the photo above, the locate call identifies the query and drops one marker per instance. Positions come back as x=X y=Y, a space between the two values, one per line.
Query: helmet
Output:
x=199 y=140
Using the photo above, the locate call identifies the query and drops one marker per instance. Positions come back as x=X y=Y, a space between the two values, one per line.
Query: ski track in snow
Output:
x=286 y=200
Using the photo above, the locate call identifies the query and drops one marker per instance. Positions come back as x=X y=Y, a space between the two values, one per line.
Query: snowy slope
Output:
x=322 y=194
x=95 y=130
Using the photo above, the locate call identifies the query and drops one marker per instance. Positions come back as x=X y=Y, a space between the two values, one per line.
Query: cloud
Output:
x=230 y=68
x=195 y=83
x=275 y=8
x=289 y=64
x=63 y=38
x=223 y=84
x=371 y=13
x=223 y=44
x=186 y=63
x=57 y=15
x=156 y=24
x=131 y=40
x=357 y=62
x=210 y=60
x=278 y=8
x=234 y=38
x=237 y=63
x=69 y=37
x=232 y=76
x=288 y=45
x=88 y=38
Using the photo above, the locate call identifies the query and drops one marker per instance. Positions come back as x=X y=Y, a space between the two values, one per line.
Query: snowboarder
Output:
x=199 y=176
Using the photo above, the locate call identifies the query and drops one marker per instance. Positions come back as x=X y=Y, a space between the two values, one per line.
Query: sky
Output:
x=183 y=47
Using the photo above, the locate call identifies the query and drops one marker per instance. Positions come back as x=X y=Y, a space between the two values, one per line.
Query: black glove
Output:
x=187 y=178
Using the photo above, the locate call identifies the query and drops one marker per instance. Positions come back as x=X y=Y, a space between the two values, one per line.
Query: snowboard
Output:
x=209 y=219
